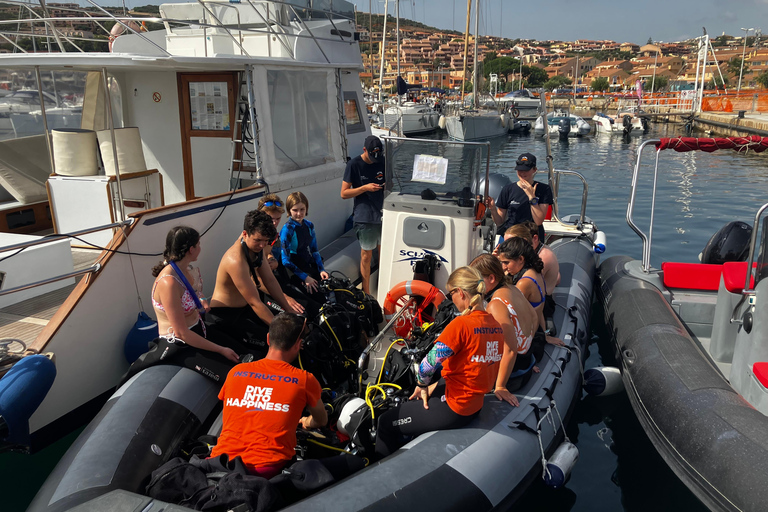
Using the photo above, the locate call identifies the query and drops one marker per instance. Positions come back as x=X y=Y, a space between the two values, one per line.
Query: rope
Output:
x=133 y=270
x=554 y=406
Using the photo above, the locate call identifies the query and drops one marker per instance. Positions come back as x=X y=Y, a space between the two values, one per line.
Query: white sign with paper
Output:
x=430 y=169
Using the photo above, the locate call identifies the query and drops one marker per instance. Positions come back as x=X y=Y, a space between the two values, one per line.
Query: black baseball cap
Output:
x=525 y=162
x=373 y=143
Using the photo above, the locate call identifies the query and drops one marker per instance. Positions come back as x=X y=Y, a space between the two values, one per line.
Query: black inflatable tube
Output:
x=714 y=441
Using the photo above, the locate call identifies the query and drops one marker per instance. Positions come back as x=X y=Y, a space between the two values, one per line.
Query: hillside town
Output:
x=435 y=58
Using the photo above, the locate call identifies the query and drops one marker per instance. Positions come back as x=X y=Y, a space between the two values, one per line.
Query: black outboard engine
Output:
x=730 y=243
x=496 y=182
x=564 y=127
x=626 y=121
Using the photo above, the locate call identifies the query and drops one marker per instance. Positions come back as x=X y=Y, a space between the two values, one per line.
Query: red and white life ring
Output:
x=415 y=288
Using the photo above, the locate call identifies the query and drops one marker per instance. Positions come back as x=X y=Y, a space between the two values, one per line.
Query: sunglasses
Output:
x=301 y=332
x=450 y=293
x=273 y=203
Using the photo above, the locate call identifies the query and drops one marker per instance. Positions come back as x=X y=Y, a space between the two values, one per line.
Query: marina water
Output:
x=618 y=468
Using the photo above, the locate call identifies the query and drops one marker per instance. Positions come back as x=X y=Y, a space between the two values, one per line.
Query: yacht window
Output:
x=352 y=113
x=20 y=112
x=301 y=125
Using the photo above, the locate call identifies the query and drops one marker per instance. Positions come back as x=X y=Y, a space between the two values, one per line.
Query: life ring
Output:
x=430 y=295
x=515 y=113
x=118 y=29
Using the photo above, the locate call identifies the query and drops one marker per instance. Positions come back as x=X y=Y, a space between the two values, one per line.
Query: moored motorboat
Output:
x=135 y=428
x=527 y=106
x=691 y=341
x=562 y=124
x=625 y=122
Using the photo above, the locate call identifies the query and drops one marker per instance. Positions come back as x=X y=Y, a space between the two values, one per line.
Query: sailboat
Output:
x=474 y=124
x=410 y=117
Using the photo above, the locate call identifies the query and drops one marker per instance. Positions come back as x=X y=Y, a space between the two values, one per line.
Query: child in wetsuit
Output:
x=299 y=246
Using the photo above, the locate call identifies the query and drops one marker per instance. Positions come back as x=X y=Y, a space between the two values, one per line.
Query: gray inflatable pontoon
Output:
x=711 y=437
x=481 y=467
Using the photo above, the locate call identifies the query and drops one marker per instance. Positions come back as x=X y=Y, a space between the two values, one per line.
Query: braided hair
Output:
x=178 y=242
x=468 y=280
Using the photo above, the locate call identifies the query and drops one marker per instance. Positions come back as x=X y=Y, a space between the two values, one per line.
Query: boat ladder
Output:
x=245 y=162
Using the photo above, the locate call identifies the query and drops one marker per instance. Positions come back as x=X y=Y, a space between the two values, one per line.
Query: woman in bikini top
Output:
x=511 y=309
x=178 y=311
x=518 y=258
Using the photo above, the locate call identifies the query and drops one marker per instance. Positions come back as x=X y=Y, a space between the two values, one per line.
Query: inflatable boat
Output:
x=692 y=344
x=486 y=465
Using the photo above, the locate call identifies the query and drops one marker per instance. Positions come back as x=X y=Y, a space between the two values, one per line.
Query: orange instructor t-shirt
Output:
x=476 y=342
x=263 y=402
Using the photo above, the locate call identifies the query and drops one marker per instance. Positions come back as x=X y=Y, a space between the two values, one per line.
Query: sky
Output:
x=568 y=20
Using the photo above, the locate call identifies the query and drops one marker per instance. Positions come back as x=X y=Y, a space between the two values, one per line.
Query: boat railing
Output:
x=271 y=22
x=646 y=238
x=751 y=278
x=557 y=174
x=54 y=238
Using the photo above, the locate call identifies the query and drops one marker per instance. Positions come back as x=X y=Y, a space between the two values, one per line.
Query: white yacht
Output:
x=187 y=123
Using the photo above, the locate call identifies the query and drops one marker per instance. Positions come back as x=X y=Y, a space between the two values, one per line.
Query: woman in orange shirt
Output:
x=468 y=350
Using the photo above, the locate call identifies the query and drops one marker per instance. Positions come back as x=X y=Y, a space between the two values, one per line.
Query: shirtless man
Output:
x=236 y=306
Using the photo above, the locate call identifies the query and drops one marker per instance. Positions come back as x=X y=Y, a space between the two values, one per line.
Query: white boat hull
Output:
x=605 y=125
x=476 y=127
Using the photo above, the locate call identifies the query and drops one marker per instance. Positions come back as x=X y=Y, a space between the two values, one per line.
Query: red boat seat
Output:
x=735 y=274
x=692 y=276
x=761 y=371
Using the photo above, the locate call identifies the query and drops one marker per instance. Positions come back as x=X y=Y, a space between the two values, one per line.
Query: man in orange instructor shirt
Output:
x=264 y=400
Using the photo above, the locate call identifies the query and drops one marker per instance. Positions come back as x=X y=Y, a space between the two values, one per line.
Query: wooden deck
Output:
x=25 y=320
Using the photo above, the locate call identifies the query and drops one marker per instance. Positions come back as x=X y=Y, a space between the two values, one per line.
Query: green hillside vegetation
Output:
x=377 y=20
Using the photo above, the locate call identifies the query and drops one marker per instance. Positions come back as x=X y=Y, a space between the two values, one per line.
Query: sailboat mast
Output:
x=383 y=44
x=466 y=50
x=475 y=83
x=397 y=31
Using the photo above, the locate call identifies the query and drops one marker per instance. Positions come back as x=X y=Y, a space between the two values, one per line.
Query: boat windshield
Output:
x=450 y=171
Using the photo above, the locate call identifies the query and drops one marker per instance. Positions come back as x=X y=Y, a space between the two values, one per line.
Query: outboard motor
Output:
x=496 y=182
x=626 y=121
x=730 y=243
x=564 y=127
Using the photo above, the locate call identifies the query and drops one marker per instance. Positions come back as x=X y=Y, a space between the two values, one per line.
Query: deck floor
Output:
x=26 y=319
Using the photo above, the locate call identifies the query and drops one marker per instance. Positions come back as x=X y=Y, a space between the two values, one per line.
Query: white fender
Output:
x=441 y=122
x=603 y=381
x=560 y=465
x=599 y=243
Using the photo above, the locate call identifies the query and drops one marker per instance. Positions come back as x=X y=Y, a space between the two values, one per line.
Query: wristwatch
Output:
x=534 y=201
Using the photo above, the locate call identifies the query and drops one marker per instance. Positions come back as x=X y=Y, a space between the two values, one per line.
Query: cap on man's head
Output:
x=373 y=143
x=525 y=162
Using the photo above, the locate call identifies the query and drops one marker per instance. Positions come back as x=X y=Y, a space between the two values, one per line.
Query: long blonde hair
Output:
x=468 y=280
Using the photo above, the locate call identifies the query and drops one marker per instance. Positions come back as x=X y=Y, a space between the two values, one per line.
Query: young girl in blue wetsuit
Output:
x=299 y=245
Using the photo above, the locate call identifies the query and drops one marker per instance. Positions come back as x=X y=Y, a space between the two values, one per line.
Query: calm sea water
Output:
x=697 y=193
